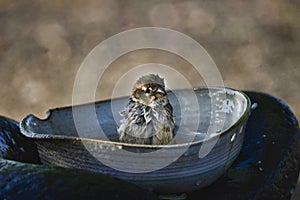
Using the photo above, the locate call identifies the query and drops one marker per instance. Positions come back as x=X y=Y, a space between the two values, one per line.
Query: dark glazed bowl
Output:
x=200 y=162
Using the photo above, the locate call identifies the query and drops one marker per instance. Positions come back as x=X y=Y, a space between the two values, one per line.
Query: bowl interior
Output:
x=198 y=112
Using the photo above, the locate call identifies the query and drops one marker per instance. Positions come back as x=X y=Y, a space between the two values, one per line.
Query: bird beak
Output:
x=161 y=91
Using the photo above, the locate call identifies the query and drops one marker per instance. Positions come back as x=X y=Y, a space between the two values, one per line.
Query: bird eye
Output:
x=147 y=90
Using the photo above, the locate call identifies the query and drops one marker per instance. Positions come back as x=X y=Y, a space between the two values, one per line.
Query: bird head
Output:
x=149 y=89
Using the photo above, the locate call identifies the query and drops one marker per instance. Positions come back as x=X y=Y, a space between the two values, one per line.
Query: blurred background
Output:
x=255 y=44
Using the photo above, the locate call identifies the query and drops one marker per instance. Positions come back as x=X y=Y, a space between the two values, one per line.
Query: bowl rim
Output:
x=38 y=136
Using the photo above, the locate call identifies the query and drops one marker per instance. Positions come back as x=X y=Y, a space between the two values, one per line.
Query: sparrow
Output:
x=148 y=116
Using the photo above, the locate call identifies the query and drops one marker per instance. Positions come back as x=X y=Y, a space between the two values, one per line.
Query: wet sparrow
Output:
x=148 y=116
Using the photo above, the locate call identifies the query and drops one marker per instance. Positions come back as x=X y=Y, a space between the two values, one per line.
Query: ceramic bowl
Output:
x=209 y=136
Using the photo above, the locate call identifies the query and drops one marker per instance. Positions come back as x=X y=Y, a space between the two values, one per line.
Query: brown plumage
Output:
x=148 y=116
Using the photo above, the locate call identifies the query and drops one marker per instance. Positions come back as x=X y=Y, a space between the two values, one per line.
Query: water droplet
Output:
x=22 y=149
x=241 y=129
x=233 y=137
x=264 y=135
x=34 y=124
x=260 y=169
x=13 y=141
x=198 y=183
x=186 y=153
x=286 y=176
x=259 y=162
x=273 y=142
x=254 y=106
